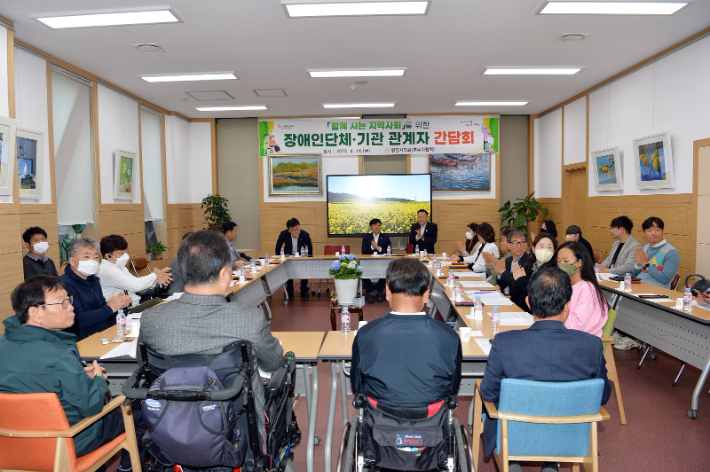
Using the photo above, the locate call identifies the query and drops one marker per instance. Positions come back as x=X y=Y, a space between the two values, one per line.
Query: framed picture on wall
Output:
x=295 y=174
x=607 y=169
x=30 y=162
x=457 y=171
x=8 y=129
x=124 y=163
x=654 y=161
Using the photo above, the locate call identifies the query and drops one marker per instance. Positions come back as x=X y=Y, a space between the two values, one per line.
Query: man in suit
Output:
x=202 y=320
x=230 y=233
x=547 y=351
x=621 y=258
x=375 y=243
x=406 y=358
x=293 y=238
x=518 y=246
x=424 y=233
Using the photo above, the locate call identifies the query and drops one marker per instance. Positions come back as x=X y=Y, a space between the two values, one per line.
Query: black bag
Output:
x=196 y=434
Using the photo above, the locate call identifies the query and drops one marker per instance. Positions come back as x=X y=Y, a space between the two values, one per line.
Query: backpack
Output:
x=193 y=433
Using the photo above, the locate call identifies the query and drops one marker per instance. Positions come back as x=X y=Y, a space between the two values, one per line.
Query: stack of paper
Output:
x=123 y=350
x=704 y=307
x=490 y=298
x=478 y=284
x=516 y=318
x=466 y=274
x=484 y=344
x=606 y=276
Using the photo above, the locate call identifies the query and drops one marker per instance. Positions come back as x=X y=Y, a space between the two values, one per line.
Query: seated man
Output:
x=574 y=233
x=203 y=321
x=657 y=262
x=178 y=284
x=36 y=261
x=406 y=358
x=518 y=246
x=292 y=239
x=37 y=356
x=93 y=312
x=115 y=277
x=547 y=351
x=375 y=242
x=622 y=257
x=230 y=232
x=423 y=233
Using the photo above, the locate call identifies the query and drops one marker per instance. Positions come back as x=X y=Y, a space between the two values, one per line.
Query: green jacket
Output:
x=34 y=359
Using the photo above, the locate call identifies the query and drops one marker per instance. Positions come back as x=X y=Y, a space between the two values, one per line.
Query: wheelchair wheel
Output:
x=347 y=445
x=467 y=448
x=462 y=459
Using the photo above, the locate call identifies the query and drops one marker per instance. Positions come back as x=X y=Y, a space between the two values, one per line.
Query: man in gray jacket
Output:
x=203 y=321
x=621 y=258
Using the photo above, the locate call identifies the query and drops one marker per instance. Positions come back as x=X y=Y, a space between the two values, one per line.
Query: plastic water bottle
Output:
x=283 y=253
x=424 y=254
x=450 y=279
x=495 y=321
x=266 y=259
x=687 y=300
x=389 y=250
x=597 y=271
x=306 y=250
x=342 y=249
x=303 y=251
x=121 y=323
x=345 y=320
x=416 y=249
x=627 y=283
x=478 y=309
x=458 y=291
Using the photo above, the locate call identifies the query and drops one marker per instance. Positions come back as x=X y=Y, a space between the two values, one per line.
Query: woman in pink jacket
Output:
x=589 y=310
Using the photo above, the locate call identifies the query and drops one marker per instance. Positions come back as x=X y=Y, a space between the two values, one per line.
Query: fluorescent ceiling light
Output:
x=553 y=7
x=384 y=72
x=320 y=8
x=531 y=70
x=241 y=108
x=360 y=105
x=491 y=103
x=192 y=77
x=135 y=16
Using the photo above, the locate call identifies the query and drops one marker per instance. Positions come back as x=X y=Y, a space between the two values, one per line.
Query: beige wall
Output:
x=514 y=166
x=702 y=254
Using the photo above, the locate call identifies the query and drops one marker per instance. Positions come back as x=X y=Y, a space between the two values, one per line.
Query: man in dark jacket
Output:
x=93 y=312
x=518 y=246
x=574 y=233
x=375 y=243
x=36 y=261
x=293 y=238
x=37 y=356
x=424 y=233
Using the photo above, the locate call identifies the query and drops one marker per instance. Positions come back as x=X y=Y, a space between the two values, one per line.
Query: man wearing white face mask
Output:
x=36 y=261
x=115 y=277
x=93 y=313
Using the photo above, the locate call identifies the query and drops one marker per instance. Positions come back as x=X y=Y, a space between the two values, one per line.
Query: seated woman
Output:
x=589 y=310
x=115 y=277
x=541 y=255
x=487 y=237
x=470 y=246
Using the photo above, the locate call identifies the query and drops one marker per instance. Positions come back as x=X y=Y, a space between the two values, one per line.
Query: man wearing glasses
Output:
x=36 y=356
x=518 y=246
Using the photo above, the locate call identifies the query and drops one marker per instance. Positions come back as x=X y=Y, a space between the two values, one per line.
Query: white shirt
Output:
x=422 y=229
x=376 y=238
x=294 y=245
x=114 y=280
x=479 y=267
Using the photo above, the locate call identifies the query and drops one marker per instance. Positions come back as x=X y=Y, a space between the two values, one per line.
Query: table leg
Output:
x=692 y=413
x=343 y=392
x=312 y=402
x=331 y=415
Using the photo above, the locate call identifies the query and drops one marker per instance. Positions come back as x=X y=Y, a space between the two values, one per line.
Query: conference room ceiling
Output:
x=444 y=53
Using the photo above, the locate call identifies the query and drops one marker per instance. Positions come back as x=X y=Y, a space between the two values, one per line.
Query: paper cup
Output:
x=361 y=324
x=135 y=328
x=443 y=255
x=337 y=253
x=465 y=334
x=678 y=303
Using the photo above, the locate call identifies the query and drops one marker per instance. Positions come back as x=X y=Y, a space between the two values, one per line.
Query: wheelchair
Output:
x=148 y=384
x=404 y=438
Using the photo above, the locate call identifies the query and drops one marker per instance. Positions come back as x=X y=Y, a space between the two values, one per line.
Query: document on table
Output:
x=466 y=274
x=490 y=298
x=125 y=349
x=480 y=284
x=516 y=318
x=704 y=307
x=606 y=276
x=484 y=344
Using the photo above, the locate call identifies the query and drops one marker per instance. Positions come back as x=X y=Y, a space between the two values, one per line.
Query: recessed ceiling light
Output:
x=572 y=38
x=360 y=105
x=320 y=8
x=122 y=17
x=383 y=72
x=149 y=48
x=240 y=108
x=491 y=103
x=191 y=77
x=531 y=70
x=610 y=7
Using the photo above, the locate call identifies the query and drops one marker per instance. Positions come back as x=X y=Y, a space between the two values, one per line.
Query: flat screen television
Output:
x=353 y=200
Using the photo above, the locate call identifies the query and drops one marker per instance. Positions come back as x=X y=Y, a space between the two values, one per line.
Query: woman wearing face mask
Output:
x=541 y=255
x=589 y=310
x=487 y=237
x=115 y=277
x=470 y=246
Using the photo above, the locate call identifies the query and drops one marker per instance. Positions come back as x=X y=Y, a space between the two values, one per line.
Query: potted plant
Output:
x=334 y=298
x=359 y=300
x=156 y=249
x=518 y=215
x=346 y=270
x=215 y=210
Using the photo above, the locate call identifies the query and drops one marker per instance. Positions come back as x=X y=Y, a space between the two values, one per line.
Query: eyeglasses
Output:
x=518 y=243
x=65 y=303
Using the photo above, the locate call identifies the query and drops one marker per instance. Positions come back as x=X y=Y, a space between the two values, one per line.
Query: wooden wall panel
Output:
x=554 y=205
x=5 y=309
x=11 y=235
x=128 y=220
x=44 y=216
x=181 y=218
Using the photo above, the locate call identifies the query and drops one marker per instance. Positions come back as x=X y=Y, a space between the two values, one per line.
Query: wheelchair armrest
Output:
x=359 y=400
x=276 y=384
x=452 y=402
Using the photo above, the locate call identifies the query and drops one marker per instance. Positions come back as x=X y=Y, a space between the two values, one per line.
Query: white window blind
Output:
x=152 y=160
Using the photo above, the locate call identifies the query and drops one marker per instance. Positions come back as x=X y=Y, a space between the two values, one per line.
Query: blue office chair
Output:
x=550 y=421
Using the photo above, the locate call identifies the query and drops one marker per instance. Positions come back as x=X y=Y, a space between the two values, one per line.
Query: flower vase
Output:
x=347 y=289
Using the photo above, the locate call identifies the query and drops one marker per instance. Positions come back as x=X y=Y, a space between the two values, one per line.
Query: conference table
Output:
x=683 y=335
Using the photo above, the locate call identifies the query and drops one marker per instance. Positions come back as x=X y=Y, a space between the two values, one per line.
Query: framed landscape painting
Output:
x=30 y=145
x=607 y=169
x=123 y=175
x=654 y=161
x=457 y=171
x=8 y=128
x=295 y=174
